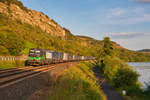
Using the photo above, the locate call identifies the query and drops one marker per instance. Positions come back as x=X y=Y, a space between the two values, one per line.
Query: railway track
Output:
x=12 y=76
x=13 y=69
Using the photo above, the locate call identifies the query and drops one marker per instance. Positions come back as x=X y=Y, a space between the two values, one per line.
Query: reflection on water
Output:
x=144 y=70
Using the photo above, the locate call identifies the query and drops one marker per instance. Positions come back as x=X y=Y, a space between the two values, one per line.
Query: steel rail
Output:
x=5 y=81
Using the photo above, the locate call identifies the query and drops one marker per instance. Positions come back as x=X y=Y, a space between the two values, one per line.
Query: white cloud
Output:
x=132 y=20
x=125 y=16
x=145 y=1
x=116 y=12
x=132 y=40
x=127 y=35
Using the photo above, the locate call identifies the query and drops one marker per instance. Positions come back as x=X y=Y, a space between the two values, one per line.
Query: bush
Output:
x=3 y=51
x=110 y=66
x=147 y=91
x=125 y=77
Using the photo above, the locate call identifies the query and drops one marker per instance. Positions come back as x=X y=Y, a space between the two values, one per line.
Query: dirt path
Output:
x=107 y=89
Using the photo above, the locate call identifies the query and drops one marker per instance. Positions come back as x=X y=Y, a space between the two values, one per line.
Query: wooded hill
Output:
x=144 y=50
x=22 y=29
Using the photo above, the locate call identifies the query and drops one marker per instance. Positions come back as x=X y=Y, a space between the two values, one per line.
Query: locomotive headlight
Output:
x=37 y=58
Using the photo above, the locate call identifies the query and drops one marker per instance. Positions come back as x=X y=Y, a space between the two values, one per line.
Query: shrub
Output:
x=3 y=51
x=125 y=77
x=110 y=66
x=147 y=91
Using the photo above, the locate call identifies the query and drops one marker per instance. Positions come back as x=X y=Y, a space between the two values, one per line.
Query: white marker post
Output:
x=124 y=92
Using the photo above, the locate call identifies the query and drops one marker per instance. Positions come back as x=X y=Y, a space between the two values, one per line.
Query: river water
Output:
x=144 y=70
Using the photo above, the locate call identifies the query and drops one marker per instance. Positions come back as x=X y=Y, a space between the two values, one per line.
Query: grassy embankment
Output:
x=77 y=83
x=11 y=64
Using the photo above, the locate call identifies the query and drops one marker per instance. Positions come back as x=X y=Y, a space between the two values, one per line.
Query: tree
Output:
x=4 y=51
x=14 y=44
x=3 y=37
x=108 y=48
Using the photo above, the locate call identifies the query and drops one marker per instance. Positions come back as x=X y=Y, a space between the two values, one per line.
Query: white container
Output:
x=48 y=55
x=82 y=58
x=73 y=57
x=65 y=56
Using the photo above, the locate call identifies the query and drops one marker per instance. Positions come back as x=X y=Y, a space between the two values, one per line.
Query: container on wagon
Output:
x=65 y=56
x=48 y=54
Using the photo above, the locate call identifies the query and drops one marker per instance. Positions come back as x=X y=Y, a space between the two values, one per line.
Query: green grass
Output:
x=11 y=64
x=78 y=83
x=137 y=97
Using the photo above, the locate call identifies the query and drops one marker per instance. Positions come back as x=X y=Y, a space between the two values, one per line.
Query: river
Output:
x=143 y=68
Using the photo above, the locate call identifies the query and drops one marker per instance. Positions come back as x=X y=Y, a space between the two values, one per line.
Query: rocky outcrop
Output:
x=33 y=18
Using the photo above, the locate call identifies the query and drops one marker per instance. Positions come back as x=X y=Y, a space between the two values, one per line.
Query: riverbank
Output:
x=144 y=71
x=122 y=77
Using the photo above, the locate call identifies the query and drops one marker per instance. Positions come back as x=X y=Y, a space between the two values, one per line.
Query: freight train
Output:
x=41 y=57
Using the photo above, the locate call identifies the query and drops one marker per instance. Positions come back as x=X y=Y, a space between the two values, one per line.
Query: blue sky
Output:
x=127 y=22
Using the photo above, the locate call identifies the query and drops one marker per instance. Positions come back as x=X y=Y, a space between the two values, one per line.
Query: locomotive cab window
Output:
x=37 y=51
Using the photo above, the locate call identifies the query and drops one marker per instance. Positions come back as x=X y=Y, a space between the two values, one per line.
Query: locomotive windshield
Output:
x=34 y=53
x=37 y=51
